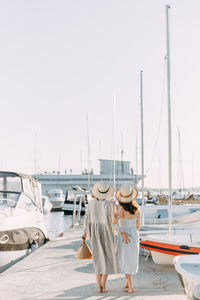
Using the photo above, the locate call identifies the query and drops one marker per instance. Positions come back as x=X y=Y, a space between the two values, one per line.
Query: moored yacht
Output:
x=22 y=224
x=57 y=198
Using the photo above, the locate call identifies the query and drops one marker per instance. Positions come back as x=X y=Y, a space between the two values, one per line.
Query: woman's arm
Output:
x=116 y=212
x=85 y=224
x=138 y=220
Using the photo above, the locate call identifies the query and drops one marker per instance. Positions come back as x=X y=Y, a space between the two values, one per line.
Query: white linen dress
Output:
x=98 y=226
x=128 y=254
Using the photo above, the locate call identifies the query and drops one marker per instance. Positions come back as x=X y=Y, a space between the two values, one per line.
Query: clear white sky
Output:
x=62 y=59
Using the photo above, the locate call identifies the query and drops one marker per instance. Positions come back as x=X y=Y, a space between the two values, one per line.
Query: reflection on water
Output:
x=57 y=223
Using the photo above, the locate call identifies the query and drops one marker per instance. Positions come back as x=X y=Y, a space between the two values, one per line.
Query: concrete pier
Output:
x=53 y=272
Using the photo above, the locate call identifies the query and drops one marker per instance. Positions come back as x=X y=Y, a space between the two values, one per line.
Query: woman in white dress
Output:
x=128 y=215
x=98 y=227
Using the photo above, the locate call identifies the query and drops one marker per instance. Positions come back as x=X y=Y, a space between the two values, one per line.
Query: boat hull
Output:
x=162 y=258
x=17 y=243
x=163 y=252
x=56 y=205
x=188 y=269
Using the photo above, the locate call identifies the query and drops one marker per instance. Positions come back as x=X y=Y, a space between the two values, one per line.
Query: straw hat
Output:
x=102 y=190
x=126 y=194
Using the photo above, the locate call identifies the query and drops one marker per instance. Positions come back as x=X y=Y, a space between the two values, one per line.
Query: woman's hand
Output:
x=84 y=236
x=125 y=238
x=112 y=203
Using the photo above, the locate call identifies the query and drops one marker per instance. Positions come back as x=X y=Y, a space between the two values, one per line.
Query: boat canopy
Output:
x=12 y=185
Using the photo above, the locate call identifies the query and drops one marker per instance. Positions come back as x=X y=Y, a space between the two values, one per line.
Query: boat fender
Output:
x=37 y=235
x=184 y=247
x=34 y=245
x=4 y=239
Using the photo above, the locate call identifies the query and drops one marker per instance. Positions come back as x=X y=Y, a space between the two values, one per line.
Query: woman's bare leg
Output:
x=103 y=282
x=126 y=284
x=98 y=279
x=130 y=283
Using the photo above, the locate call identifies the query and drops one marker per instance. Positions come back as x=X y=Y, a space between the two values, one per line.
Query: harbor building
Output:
x=123 y=174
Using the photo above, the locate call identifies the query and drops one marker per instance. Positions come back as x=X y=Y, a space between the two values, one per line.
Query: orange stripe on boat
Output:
x=169 y=248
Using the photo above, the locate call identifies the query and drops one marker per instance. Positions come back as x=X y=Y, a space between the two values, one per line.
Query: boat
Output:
x=139 y=200
x=76 y=201
x=183 y=238
x=188 y=269
x=164 y=250
x=56 y=198
x=22 y=224
x=159 y=214
x=189 y=199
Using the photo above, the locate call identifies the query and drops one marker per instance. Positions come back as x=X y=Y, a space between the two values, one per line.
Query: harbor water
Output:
x=57 y=222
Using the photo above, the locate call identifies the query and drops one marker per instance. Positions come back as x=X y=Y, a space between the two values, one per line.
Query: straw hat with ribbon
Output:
x=102 y=190
x=126 y=194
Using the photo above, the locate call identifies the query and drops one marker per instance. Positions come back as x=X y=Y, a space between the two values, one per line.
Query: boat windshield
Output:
x=10 y=183
x=9 y=198
x=10 y=188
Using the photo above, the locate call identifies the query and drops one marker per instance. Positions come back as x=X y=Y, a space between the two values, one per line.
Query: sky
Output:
x=62 y=64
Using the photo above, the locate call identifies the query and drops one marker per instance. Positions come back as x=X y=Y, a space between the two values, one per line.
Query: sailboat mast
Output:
x=169 y=123
x=35 y=154
x=114 y=129
x=88 y=149
x=181 y=174
x=136 y=159
x=142 y=143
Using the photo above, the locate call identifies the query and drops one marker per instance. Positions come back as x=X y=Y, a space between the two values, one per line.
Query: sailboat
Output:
x=164 y=247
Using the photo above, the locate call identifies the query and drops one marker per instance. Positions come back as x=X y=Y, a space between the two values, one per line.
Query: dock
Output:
x=53 y=272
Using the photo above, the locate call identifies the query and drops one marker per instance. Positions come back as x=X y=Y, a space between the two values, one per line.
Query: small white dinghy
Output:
x=188 y=269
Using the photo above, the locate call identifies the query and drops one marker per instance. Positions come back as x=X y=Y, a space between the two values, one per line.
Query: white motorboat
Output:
x=22 y=224
x=57 y=198
x=188 y=269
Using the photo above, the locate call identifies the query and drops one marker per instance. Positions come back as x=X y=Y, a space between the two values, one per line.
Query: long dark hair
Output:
x=130 y=207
